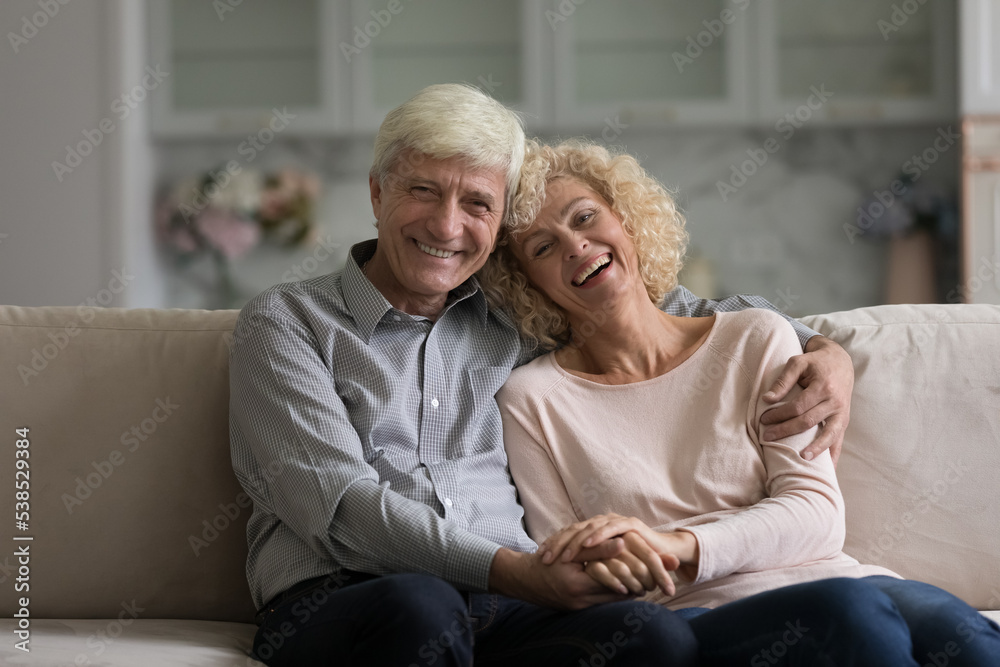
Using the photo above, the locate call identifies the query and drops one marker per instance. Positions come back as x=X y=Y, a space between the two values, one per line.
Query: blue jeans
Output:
x=409 y=620
x=873 y=621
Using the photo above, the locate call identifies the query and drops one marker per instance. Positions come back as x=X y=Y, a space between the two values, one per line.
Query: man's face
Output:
x=437 y=224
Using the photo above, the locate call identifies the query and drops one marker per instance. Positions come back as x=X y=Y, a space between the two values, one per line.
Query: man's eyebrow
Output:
x=485 y=196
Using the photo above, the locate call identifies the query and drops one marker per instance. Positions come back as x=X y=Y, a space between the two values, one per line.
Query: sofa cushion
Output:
x=133 y=498
x=920 y=469
x=145 y=642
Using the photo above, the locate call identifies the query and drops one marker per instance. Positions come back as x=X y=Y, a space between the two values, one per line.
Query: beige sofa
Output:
x=137 y=522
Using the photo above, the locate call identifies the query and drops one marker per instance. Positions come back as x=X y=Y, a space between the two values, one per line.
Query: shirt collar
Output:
x=368 y=306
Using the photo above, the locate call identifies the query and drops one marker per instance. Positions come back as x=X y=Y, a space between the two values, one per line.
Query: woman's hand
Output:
x=628 y=573
x=662 y=551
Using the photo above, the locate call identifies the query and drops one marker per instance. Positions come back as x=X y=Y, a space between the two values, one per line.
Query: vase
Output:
x=911 y=273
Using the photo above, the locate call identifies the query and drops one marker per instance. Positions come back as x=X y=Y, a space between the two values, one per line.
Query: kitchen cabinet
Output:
x=492 y=44
x=874 y=60
x=980 y=56
x=569 y=65
x=636 y=61
x=232 y=64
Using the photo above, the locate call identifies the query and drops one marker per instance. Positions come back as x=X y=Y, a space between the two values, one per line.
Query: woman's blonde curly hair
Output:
x=648 y=213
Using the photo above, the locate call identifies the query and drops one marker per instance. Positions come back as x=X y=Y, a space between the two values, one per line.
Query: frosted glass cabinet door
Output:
x=858 y=60
x=649 y=61
x=397 y=48
x=232 y=65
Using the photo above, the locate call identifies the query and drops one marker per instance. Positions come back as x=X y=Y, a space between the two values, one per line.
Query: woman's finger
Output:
x=599 y=572
x=623 y=570
x=602 y=530
x=556 y=542
x=653 y=562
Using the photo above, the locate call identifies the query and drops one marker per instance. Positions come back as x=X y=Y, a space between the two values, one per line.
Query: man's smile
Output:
x=444 y=254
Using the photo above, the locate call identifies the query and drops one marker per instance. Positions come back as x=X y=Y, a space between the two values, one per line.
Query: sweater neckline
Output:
x=670 y=373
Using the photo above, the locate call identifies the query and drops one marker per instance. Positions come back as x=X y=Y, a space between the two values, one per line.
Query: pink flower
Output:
x=226 y=232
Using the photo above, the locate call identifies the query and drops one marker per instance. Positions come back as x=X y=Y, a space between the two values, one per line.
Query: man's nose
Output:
x=446 y=223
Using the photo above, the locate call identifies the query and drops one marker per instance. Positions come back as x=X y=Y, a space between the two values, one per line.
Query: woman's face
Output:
x=576 y=252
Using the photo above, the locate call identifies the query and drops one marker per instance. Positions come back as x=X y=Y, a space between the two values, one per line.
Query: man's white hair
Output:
x=452 y=120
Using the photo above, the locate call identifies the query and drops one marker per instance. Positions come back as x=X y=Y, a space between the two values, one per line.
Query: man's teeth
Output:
x=598 y=263
x=444 y=254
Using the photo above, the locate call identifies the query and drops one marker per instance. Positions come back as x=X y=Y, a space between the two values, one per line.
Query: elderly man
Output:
x=386 y=529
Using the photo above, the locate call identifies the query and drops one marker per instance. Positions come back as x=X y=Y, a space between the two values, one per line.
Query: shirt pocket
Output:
x=484 y=383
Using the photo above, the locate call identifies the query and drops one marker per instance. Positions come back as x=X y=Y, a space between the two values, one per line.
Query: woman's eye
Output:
x=542 y=248
x=584 y=217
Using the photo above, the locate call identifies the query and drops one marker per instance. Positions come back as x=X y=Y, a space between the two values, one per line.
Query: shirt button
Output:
x=397 y=318
x=435 y=403
x=447 y=501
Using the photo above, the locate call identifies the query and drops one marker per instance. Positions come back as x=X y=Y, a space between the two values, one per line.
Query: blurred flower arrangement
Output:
x=225 y=215
x=911 y=207
x=920 y=223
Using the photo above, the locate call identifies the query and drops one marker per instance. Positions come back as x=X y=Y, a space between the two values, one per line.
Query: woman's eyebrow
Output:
x=570 y=204
x=524 y=241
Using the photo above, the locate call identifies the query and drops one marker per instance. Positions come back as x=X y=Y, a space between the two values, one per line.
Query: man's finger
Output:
x=831 y=436
x=797 y=425
x=805 y=401
x=788 y=379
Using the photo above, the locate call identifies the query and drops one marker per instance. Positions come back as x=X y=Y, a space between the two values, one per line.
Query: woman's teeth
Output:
x=581 y=277
x=444 y=254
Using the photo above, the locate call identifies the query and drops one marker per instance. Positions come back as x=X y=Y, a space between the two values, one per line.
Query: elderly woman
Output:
x=647 y=426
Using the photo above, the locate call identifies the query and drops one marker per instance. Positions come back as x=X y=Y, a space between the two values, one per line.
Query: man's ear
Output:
x=376 y=191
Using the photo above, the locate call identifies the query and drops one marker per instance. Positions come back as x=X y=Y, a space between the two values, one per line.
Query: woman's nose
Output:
x=576 y=245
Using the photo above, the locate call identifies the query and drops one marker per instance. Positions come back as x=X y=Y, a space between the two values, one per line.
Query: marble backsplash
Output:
x=768 y=214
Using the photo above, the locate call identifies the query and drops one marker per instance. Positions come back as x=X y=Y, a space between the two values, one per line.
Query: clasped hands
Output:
x=638 y=561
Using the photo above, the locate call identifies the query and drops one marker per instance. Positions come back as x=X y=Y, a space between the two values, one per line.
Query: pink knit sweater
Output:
x=684 y=451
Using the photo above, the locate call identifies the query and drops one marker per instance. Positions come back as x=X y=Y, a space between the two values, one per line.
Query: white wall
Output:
x=65 y=238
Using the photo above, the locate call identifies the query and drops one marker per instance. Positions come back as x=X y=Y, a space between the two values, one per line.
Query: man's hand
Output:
x=826 y=374
x=560 y=585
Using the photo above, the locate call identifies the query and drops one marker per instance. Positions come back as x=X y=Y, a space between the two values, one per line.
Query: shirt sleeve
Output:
x=285 y=408
x=802 y=517
x=683 y=303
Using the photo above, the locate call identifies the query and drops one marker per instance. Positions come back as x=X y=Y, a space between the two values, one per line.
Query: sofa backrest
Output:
x=133 y=500
x=920 y=470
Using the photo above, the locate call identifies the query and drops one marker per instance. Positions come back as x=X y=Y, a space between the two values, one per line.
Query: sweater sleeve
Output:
x=802 y=517
x=541 y=489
